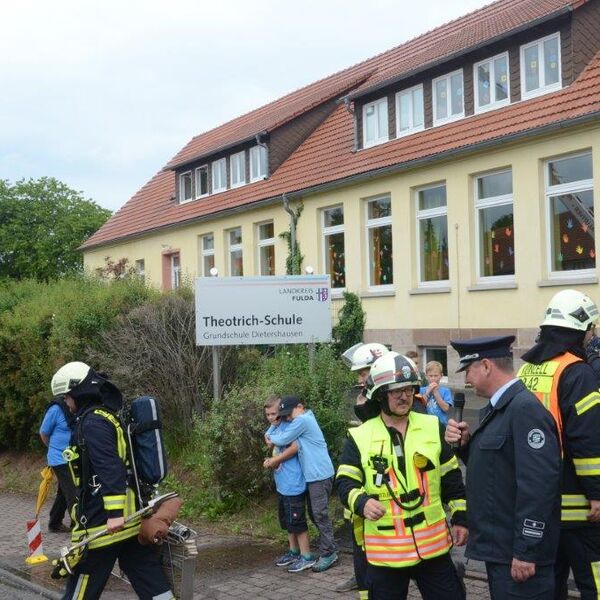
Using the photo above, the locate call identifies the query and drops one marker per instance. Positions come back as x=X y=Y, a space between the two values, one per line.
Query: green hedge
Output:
x=42 y=326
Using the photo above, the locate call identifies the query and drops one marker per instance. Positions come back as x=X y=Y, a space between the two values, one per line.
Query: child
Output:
x=291 y=493
x=317 y=469
x=438 y=398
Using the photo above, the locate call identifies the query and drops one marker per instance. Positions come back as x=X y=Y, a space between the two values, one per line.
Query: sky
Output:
x=100 y=95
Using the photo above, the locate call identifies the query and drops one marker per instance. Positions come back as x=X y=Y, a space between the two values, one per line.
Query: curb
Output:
x=16 y=580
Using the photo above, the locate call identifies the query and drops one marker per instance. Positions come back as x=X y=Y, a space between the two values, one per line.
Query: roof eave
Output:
x=397 y=78
x=364 y=176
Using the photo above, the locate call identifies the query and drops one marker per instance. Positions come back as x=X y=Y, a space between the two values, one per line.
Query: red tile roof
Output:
x=326 y=156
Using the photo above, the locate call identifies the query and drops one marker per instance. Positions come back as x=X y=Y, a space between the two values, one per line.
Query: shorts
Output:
x=292 y=513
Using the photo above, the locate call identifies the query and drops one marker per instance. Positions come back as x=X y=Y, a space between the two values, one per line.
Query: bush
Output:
x=42 y=326
x=227 y=448
x=351 y=324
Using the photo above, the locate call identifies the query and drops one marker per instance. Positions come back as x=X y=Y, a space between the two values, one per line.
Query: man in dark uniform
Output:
x=557 y=373
x=99 y=461
x=513 y=475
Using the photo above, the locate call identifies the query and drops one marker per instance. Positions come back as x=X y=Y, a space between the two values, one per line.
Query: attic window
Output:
x=258 y=163
x=237 y=168
x=540 y=67
x=185 y=187
x=448 y=98
x=219 y=175
x=491 y=83
x=375 y=123
x=202 y=181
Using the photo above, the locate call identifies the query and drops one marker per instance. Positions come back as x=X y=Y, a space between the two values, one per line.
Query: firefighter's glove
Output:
x=592 y=349
x=71 y=560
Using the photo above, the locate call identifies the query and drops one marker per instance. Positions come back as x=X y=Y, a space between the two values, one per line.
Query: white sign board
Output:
x=263 y=310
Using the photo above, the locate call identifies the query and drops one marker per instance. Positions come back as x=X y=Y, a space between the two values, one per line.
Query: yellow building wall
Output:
x=460 y=306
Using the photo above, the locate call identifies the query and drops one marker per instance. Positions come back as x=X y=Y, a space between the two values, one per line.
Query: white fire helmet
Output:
x=391 y=372
x=571 y=309
x=68 y=377
x=362 y=356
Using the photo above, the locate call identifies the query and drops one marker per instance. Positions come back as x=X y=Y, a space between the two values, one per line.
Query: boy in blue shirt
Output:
x=291 y=494
x=55 y=433
x=316 y=467
x=438 y=398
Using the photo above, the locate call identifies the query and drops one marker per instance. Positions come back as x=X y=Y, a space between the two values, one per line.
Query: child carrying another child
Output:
x=291 y=494
x=316 y=467
x=438 y=398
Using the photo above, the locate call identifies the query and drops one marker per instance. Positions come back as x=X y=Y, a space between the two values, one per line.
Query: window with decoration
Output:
x=432 y=239
x=379 y=234
x=333 y=245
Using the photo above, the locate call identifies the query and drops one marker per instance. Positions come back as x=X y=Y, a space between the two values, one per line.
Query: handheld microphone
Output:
x=459 y=404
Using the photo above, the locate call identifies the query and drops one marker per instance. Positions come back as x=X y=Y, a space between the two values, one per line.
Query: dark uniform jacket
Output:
x=513 y=481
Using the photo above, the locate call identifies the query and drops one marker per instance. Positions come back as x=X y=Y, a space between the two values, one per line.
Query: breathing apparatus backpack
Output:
x=143 y=427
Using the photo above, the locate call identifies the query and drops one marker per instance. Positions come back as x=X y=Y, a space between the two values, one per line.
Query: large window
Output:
x=237 y=168
x=409 y=111
x=185 y=187
x=258 y=163
x=333 y=246
x=219 y=175
x=140 y=269
x=491 y=83
x=448 y=100
x=432 y=227
x=236 y=257
x=207 y=252
x=202 y=181
x=540 y=66
x=379 y=233
x=266 y=248
x=375 y=123
x=494 y=222
x=570 y=206
x=175 y=271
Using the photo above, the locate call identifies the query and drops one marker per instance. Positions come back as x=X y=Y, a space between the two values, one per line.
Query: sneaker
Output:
x=325 y=562
x=347 y=586
x=301 y=564
x=286 y=559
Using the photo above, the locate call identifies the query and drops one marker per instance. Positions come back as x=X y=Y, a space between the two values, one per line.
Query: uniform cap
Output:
x=475 y=349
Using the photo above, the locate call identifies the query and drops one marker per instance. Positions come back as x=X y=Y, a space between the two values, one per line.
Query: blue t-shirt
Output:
x=312 y=447
x=288 y=476
x=55 y=427
x=433 y=407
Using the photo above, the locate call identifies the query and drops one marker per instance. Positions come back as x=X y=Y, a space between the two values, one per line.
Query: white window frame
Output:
x=262 y=163
x=493 y=102
x=450 y=118
x=175 y=271
x=380 y=139
x=412 y=128
x=205 y=253
x=234 y=248
x=491 y=202
x=140 y=269
x=263 y=244
x=583 y=185
x=327 y=231
x=216 y=165
x=197 y=181
x=237 y=162
x=429 y=213
x=182 y=199
x=374 y=224
x=543 y=89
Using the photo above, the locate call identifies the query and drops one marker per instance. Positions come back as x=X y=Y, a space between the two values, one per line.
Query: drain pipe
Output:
x=293 y=221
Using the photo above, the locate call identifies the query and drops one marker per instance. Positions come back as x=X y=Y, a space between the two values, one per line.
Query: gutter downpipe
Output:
x=293 y=221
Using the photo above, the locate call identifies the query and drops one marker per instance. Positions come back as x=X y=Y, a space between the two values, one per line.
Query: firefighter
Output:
x=513 y=475
x=98 y=459
x=556 y=371
x=398 y=483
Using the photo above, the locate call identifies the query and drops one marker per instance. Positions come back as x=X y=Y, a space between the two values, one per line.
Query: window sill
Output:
x=378 y=293
x=482 y=287
x=429 y=290
x=569 y=281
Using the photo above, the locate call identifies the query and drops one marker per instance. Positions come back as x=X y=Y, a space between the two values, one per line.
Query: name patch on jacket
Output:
x=534 y=529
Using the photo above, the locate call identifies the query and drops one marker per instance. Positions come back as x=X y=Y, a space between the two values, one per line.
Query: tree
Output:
x=42 y=224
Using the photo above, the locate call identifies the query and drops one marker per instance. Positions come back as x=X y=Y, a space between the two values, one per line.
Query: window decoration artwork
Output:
x=379 y=230
x=432 y=227
x=334 y=246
